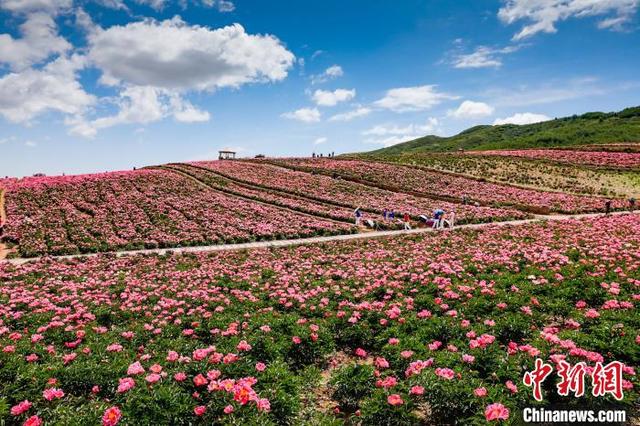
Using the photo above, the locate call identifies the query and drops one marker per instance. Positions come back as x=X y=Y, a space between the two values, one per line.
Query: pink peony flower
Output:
x=135 y=368
x=496 y=411
x=20 y=408
x=480 y=392
x=361 y=353
x=263 y=404
x=111 y=416
x=445 y=373
x=243 y=346
x=52 y=393
x=417 y=390
x=200 y=380
x=153 y=378
x=200 y=410
x=228 y=409
x=395 y=399
x=33 y=421
x=260 y=366
x=125 y=385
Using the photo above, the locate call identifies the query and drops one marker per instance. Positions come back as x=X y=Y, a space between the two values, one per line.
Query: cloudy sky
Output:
x=94 y=85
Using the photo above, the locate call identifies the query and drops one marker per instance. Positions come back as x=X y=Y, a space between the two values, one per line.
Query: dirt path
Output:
x=315 y=240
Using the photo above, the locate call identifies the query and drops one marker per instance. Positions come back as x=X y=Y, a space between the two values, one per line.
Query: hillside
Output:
x=589 y=128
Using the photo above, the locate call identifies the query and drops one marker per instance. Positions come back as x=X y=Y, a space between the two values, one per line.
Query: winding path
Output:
x=315 y=240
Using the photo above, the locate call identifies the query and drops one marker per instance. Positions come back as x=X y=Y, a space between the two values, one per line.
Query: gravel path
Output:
x=313 y=240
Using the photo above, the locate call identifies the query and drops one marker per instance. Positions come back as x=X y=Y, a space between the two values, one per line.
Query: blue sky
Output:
x=97 y=85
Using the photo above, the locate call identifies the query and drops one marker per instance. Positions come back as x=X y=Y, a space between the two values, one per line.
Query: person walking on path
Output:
x=632 y=204
x=405 y=221
x=607 y=207
x=358 y=214
x=437 y=218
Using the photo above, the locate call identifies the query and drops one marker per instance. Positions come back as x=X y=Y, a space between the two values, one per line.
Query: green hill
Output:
x=589 y=128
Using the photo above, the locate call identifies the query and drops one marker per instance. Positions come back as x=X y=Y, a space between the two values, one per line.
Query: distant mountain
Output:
x=589 y=128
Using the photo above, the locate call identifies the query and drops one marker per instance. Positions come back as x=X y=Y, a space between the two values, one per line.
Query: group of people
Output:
x=438 y=220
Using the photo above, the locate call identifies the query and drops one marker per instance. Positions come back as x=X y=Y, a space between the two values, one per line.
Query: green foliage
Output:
x=351 y=384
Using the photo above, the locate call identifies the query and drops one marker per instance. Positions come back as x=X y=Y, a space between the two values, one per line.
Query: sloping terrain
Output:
x=589 y=128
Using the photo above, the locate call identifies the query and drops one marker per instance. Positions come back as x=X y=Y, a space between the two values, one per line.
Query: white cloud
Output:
x=30 y=144
x=328 y=98
x=154 y=4
x=306 y=115
x=416 y=98
x=141 y=105
x=471 y=109
x=221 y=5
x=185 y=112
x=522 y=118
x=330 y=73
x=483 y=57
x=174 y=55
x=550 y=92
x=31 y=92
x=544 y=14
x=155 y=63
x=320 y=141
x=388 y=135
x=28 y=6
x=350 y=115
x=39 y=41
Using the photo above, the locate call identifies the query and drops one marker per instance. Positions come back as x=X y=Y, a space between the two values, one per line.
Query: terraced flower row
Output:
x=592 y=158
x=546 y=176
x=268 y=196
x=432 y=183
x=141 y=209
x=408 y=330
x=343 y=192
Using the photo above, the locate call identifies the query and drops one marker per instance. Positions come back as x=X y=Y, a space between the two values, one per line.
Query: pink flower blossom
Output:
x=52 y=393
x=496 y=411
x=20 y=408
x=111 y=416
x=395 y=399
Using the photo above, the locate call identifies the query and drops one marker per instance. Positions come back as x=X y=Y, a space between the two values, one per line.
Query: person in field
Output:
x=385 y=214
x=632 y=204
x=607 y=207
x=358 y=214
x=405 y=221
x=438 y=215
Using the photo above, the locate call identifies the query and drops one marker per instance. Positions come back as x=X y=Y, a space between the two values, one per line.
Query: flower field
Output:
x=409 y=330
x=612 y=159
x=547 y=176
x=343 y=192
x=432 y=183
x=140 y=209
x=273 y=197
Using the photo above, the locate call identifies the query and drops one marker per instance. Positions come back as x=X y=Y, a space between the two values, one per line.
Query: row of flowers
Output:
x=433 y=183
x=140 y=209
x=277 y=198
x=433 y=329
x=625 y=160
x=318 y=187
